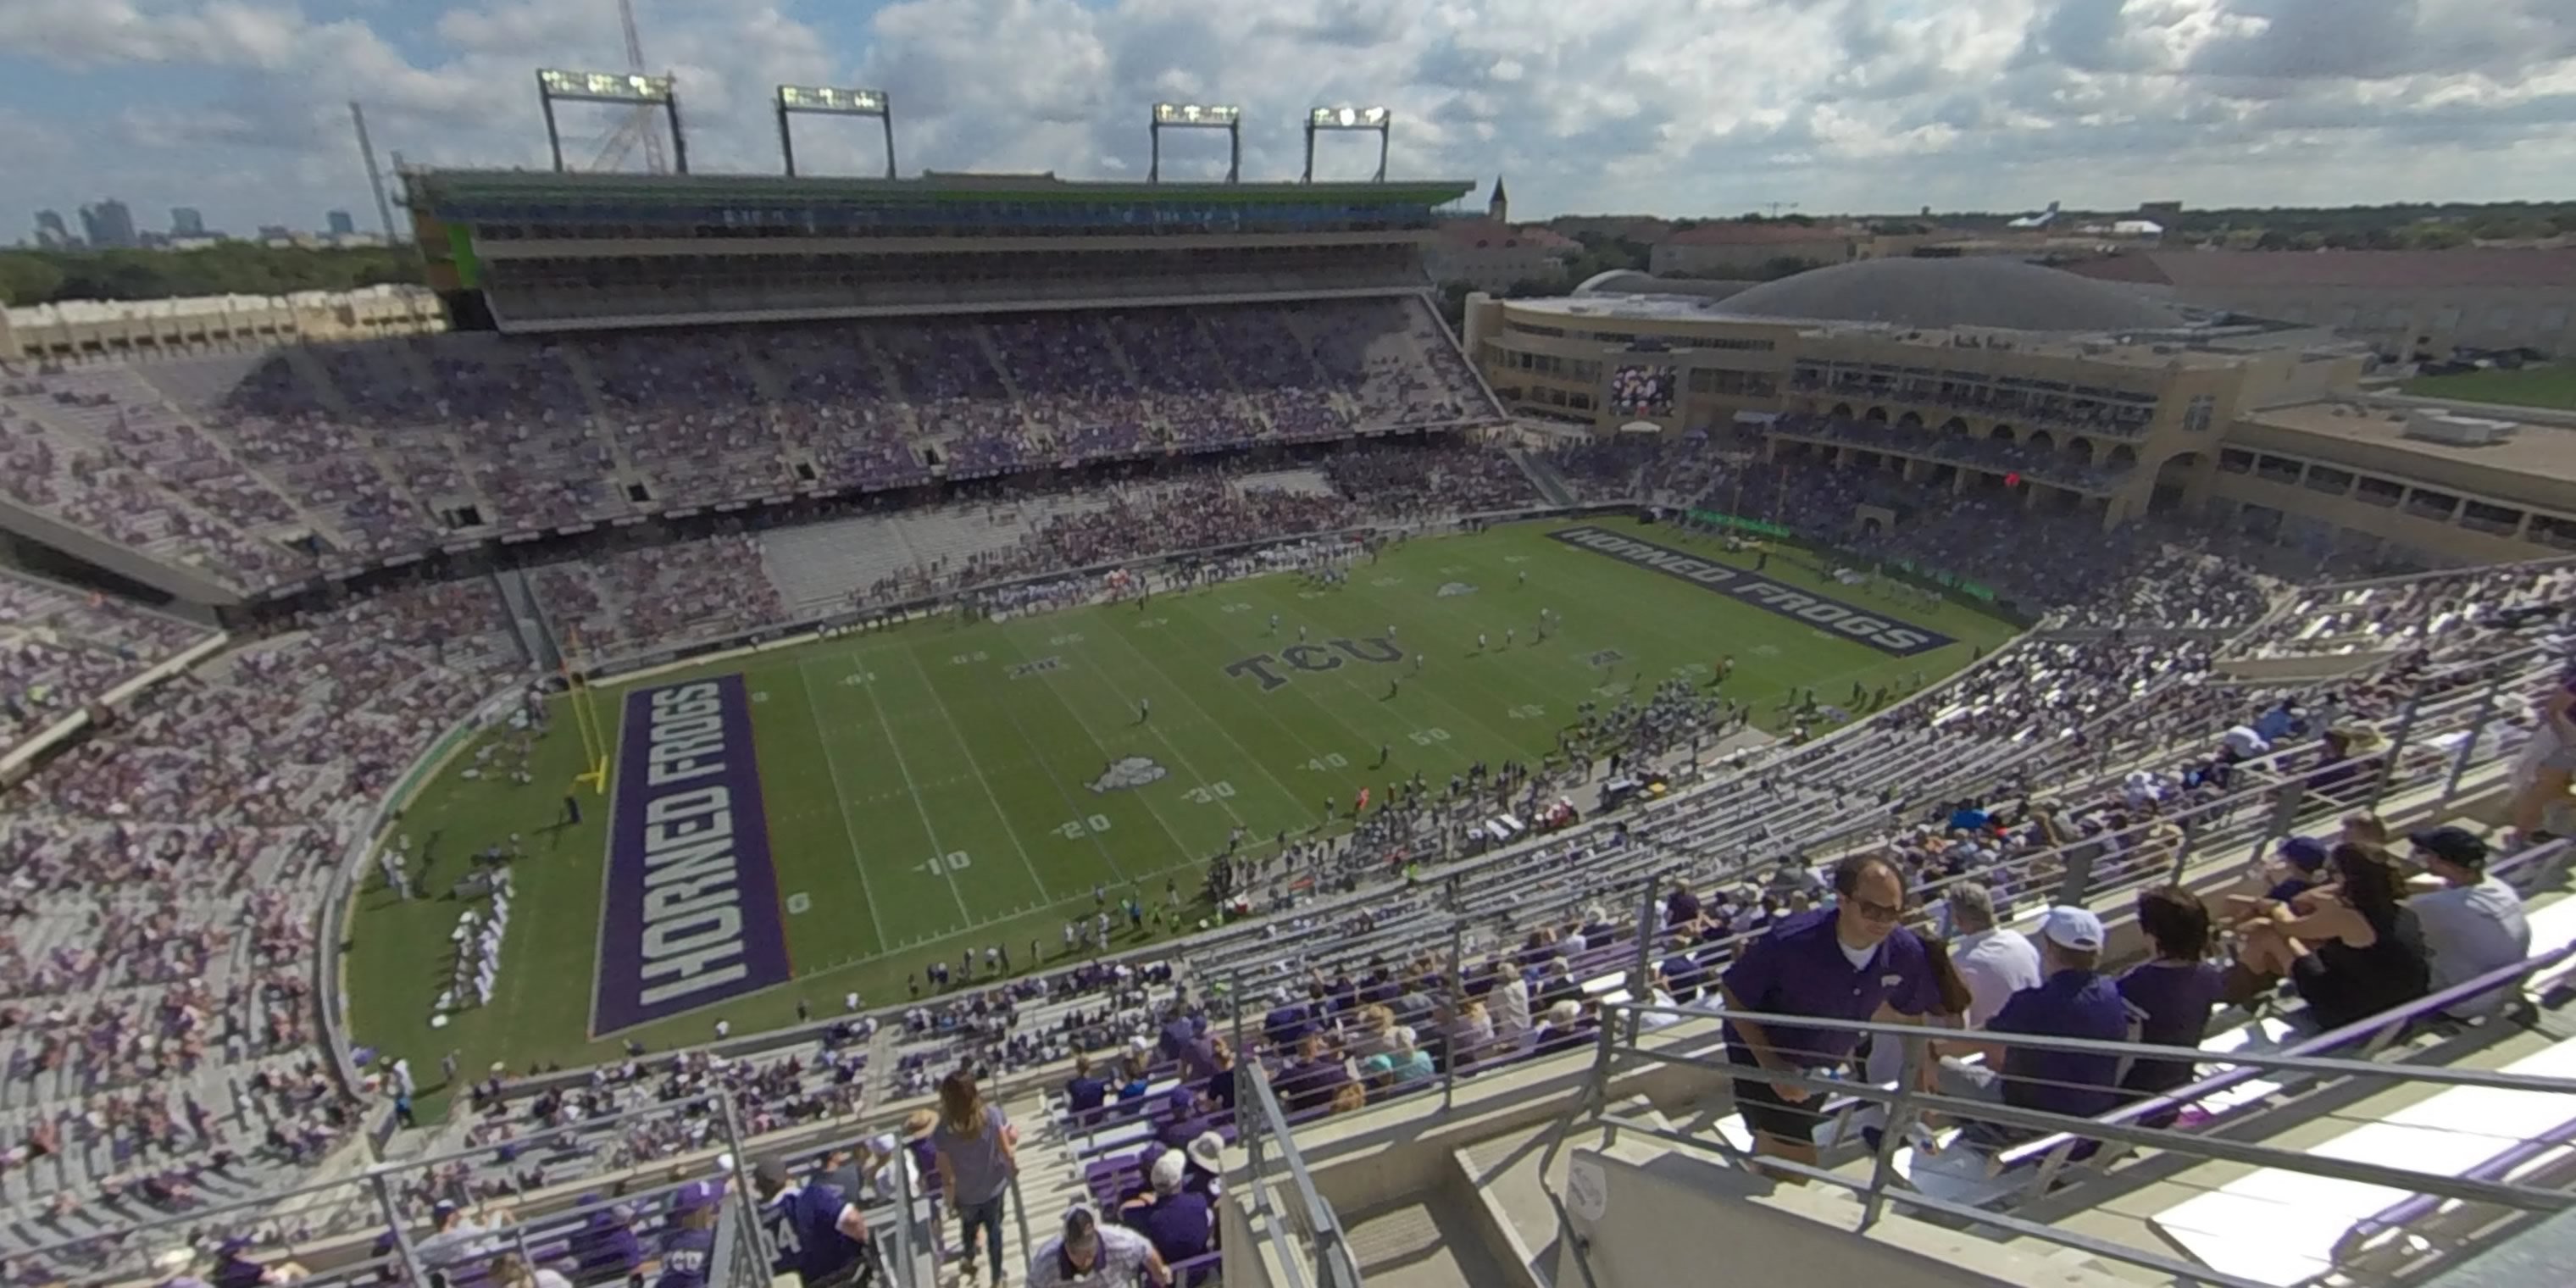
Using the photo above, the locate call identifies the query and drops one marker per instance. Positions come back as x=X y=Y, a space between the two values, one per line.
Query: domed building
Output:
x=1968 y=292
x=1957 y=373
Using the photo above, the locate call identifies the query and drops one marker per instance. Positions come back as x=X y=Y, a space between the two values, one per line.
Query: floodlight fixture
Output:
x=633 y=88
x=824 y=100
x=1209 y=116
x=1348 y=118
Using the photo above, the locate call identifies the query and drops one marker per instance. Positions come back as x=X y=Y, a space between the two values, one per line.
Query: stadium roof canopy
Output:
x=1979 y=291
x=546 y=186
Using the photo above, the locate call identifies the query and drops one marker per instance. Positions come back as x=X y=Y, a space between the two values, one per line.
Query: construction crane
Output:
x=639 y=123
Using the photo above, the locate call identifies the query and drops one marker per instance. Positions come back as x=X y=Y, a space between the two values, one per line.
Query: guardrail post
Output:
x=2285 y=816
x=1457 y=1011
x=1640 y=986
x=2396 y=747
x=739 y=1187
x=2182 y=849
x=1900 y=1120
x=2469 y=745
x=403 y=1246
x=1020 y=1218
x=904 y=1265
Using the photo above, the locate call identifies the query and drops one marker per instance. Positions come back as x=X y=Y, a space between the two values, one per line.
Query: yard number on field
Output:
x=1329 y=760
x=1527 y=711
x=1236 y=608
x=1211 y=793
x=1426 y=737
x=953 y=861
x=1082 y=827
x=964 y=659
x=856 y=678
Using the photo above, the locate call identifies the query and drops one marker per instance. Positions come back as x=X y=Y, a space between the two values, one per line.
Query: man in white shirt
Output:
x=1994 y=963
x=2471 y=926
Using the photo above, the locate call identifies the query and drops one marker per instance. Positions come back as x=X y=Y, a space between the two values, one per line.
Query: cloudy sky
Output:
x=1671 y=106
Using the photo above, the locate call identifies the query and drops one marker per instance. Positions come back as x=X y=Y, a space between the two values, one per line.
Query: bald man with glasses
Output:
x=1837 y=964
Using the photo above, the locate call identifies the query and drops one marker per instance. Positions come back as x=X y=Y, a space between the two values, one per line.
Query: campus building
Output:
x=2068 y=391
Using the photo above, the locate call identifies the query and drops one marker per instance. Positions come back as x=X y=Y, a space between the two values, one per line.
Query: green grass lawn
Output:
x=922 y=801
x=2553 y=386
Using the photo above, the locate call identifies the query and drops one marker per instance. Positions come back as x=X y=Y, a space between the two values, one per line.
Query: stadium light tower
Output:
x=826 y=101
x=1199 y=116
x=1347 y=118
x=632 y=88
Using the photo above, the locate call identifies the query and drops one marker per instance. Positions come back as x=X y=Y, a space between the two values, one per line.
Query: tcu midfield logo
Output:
x=1327 y=656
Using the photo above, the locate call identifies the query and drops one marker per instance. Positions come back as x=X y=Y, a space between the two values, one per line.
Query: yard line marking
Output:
x=1184 y=761
x=848 y=829
x=1102 y=747
x=938 y=852
x=987 y=784
x=1292 y=798
x=1071 y=803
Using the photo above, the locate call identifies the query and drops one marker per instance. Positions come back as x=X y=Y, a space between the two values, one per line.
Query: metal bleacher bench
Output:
x=2281 y=1227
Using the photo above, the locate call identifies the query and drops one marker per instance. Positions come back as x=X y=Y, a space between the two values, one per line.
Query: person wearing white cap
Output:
x=2072 y=1000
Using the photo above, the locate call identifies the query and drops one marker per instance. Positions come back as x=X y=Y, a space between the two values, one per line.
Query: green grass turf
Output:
x=2553 y=386
x=921 y=802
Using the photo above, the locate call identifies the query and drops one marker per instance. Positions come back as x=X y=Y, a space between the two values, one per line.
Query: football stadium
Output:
x=635 y=762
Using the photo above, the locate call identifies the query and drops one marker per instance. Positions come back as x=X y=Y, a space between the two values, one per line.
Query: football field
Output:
x=799 y=823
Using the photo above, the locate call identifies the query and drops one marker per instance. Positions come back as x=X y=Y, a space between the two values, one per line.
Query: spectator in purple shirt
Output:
x=1312 y=1080
x=1084 y=1093
x=1180 y=1224
x=1836 y=964
x=2073 y=1000
x=2174 y=992
x=691 y=1241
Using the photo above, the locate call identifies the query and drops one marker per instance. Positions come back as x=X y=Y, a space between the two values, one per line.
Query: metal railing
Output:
x=382 y=1221
x=1890 y=1171
x=1280 y=1204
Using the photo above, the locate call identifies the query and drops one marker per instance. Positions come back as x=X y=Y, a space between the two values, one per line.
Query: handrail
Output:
x=1904 y=1103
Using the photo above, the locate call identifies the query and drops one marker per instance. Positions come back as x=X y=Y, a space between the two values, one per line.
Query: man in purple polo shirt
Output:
x=1835 y=964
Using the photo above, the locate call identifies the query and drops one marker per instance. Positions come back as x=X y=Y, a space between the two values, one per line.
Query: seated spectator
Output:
x=605 y=1247
x=1084 y=1093
x=2352 y=948
x=235 y=1270
x=2175 y=990
x=1216 y=1091
x=1291 y=1020
x=1314 y=1078
x=1994 y=962
x=1376 y=1034
x=2073 y=1001
x=1178 y=1223
x=1401 y=1065
x=510 y=1271
x=2303 y=866
x=2473 y=924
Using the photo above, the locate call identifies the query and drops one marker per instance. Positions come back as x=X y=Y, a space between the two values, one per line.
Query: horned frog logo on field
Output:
x=1128 y=772
x=1456 y=588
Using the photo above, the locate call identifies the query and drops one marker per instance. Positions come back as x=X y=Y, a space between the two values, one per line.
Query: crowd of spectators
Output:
x=268 y=470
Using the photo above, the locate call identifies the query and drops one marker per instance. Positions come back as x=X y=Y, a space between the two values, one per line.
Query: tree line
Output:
x=232 y=268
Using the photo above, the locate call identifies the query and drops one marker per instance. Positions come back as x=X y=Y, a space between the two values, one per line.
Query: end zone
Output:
x=1860 y=625
x=688 y=912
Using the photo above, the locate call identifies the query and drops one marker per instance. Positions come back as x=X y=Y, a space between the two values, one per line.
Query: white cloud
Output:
x=1681 y=106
